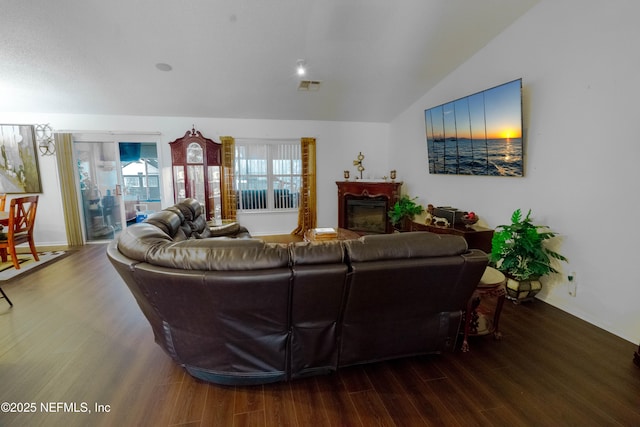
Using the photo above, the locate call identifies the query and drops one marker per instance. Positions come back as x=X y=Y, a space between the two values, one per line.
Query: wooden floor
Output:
x=76 y=337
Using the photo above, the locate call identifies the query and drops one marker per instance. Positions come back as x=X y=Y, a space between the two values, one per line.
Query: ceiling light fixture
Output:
x=301 y=67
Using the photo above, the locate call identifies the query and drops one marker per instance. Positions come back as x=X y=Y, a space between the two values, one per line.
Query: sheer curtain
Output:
x=229 y=201
x=66 y=167
x=307 y=211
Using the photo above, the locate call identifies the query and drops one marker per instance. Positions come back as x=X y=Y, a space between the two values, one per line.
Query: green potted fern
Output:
x=403 y=211
x=519 y=251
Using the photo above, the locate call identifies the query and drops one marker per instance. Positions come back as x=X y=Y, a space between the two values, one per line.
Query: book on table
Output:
x=325 y=233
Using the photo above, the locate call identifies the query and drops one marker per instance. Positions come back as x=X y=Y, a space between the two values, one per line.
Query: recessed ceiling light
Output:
x=301 y=68
x=163 y=67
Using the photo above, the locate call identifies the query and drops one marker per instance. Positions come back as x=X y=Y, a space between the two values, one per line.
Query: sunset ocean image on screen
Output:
x=480 y=134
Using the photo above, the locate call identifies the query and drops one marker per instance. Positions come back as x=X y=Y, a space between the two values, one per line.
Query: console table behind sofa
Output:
x=477 y=237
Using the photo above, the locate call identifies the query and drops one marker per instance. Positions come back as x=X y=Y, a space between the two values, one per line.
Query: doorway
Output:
x=119 y=184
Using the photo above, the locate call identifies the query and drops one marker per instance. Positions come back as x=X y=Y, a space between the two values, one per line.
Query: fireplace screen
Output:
x=367 y=215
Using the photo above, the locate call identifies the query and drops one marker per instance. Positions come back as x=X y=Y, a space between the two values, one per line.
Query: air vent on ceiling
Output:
x=309 y=85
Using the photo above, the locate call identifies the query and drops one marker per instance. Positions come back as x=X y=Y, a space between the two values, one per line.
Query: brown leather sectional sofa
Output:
x=242 y=311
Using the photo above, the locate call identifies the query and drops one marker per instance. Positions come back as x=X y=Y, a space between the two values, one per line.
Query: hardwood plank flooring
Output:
x=76 y=337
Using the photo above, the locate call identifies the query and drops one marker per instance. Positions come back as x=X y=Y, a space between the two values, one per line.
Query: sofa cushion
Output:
x=146 y=243
x=197 y=226
x=190 y=208
x=306 y=253
x=417 y=244
x=178 y=212
x=224 y=229
x=135 y=241
x=166 y=220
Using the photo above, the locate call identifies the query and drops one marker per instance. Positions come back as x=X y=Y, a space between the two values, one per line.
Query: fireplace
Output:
x=363 y=206
x=368 y=215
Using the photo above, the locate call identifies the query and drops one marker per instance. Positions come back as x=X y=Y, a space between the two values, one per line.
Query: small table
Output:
x=343 y=234
x=477 y=320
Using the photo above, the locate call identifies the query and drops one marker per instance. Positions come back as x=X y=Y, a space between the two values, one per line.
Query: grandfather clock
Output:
x=196 y=163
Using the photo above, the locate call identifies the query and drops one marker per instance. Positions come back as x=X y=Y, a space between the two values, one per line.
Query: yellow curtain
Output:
x=229 y=202
x=307 y=211
x=66 y=167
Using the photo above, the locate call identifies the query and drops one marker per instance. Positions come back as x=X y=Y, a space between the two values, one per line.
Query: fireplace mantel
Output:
x=387 y=191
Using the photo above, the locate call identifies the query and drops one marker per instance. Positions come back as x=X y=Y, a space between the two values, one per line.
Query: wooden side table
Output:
x=477 y=319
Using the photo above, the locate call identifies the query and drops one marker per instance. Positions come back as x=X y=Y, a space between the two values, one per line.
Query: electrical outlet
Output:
x=573 y=284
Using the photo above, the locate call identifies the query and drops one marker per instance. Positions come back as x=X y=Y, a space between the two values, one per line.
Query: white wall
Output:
x=338 y=143
x=581 y=92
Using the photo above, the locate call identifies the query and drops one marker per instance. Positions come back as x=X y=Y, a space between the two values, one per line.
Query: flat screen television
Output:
x=480 y=134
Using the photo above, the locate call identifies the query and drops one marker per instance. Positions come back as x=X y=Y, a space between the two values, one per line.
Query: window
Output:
x=268 y=175
x=131 y=181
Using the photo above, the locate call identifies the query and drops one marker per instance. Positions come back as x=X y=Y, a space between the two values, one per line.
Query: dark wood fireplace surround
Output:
x=365 y=190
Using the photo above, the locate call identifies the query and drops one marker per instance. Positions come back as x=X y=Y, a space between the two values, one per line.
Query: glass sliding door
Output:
x=98 y=182
x=140 y=178
x=119 y=183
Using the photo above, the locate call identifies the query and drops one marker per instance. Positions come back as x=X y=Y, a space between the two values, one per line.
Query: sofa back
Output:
x=320 y=275
x=186 y=220
x=418 y=283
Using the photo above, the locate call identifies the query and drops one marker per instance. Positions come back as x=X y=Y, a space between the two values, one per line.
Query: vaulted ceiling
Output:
x=237 y=58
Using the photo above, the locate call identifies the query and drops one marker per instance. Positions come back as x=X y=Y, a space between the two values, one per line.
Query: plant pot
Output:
x=522 y=290
x=403 y=226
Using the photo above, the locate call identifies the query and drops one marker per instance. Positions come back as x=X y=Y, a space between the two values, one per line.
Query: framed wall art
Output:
x=19 y=172
x=480 y=134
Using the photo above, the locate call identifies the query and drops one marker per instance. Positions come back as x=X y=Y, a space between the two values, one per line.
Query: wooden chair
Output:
x=3 y=201
x=22 y=216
